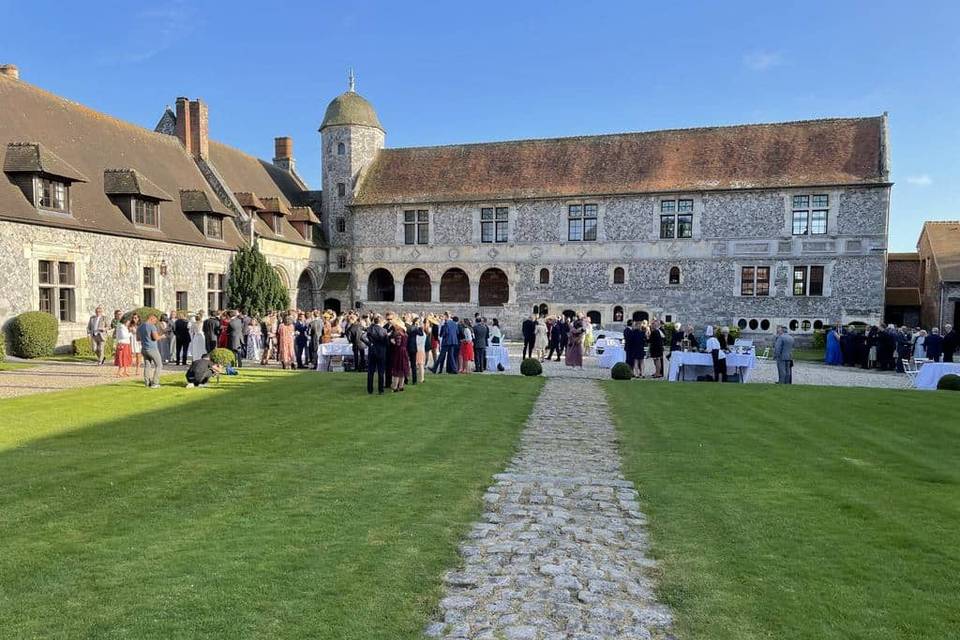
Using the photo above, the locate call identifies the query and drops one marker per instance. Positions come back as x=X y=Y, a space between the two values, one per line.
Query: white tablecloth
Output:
x=497 y=354
x=612 y=354
x=930 y=373
x=695 y=364
x=340 y=347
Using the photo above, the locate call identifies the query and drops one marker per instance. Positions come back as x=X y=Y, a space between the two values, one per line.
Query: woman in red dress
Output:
x=466 y=346
x=400 y=363
x=224 y=323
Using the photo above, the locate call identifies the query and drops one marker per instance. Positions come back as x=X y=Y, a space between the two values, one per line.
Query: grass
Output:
x=799 y=512
x=15 y=366
x=808 y=355
x=273 y=505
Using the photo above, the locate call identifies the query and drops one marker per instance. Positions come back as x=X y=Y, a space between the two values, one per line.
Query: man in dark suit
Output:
x=951 y=342
x=565 y=324
x=449 y=345
x=235 y=336
x=481 y=336
x=211 y=330
x=933 y=344
x=529 y=329
x=181 y=329
x=375 y=339
x=316 y=332
x=302 y=339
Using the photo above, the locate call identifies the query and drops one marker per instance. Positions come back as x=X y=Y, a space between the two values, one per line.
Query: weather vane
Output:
x=351 y=81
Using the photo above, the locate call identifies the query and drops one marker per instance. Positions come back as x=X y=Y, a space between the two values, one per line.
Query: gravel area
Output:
x=55 y=376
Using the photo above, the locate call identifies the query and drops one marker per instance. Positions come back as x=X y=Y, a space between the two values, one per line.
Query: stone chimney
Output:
x=283 y=153
x=10 y=71
x=193 y=127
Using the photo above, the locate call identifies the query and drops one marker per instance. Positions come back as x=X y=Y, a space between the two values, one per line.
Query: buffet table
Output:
x=612 y=354
x=497 y=354
x=339 y=347
x=931 y=372
x=687 y=365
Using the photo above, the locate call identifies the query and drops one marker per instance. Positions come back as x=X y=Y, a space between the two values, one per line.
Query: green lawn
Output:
x=799 y=512
x=14 y=366
x=273 y=505
x=808 y=355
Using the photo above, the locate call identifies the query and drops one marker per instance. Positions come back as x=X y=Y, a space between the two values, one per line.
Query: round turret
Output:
x=350 y=108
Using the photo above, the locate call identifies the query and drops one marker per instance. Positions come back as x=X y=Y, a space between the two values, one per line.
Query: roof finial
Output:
x=351 y=81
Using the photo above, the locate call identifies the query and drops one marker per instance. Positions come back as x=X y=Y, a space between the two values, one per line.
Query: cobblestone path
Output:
x=561 y=552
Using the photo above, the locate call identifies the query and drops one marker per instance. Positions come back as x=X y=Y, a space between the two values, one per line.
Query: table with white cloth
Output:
x=328 y=350
x=497 y=354
x=931 y=372
x=612 y=354
x=687 y=365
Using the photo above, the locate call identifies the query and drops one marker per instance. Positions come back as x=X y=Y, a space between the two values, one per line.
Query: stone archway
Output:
x=380 y=287
x=640 y=316
x=307 y=290
x=333 y=304
x=454 y=286
x=494 y=288
x=416 y=286
x=594 y=316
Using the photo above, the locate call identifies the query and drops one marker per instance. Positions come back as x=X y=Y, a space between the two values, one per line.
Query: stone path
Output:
x=561 y=552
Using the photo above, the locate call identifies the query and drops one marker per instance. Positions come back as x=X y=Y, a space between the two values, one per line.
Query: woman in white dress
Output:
x=254 y=338
x=198 y=345
x=920 y=347
x=540 y=339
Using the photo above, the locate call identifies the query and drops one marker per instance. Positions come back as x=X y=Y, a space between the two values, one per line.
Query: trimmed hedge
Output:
x=820 y=338
x=531 y=367
x=949 y=382
x=34 y=334
x=143 y=312
x=223 y=357
x=621 y=371
x=83 y=347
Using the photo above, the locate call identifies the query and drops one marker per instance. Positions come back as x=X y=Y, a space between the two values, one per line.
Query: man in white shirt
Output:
x=97 y=331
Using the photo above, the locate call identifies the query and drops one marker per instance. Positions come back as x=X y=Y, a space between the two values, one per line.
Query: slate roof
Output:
x=842 y=151
x=93 y=143
x=944 y=238
x=33 y=157
x=131 y=182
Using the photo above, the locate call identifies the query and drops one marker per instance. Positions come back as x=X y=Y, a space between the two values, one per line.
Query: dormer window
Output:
x=145 y=212
x=277 y=225
x=206 y=214
x=53 y=195
x=41 y=175
x=308 y=232
x=214 y=227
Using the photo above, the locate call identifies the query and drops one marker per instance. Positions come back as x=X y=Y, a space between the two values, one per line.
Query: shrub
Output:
x=254 y=285
x=531 y=367
x=621 y=371
x=143 y=312
x=3 y=345
x=33 y=334
x=668 y=328
x=949 y=382
x=820 y=339
x=83 y=347
x=223 y=357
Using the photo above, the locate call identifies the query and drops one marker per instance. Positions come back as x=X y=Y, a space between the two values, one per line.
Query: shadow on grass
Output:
x=271 y=505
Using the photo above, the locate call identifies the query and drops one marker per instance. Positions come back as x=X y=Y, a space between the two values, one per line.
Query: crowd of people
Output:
x=567 y=336
x=889 y=348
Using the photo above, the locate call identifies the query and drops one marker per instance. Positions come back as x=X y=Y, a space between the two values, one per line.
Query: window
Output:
x=676 y=218
x=674 y=275
x=755 y=281
x=764 y=325
x=181 y=297
x=149 y=284
x=214 y=227
x=810 y=214
x=582 y=222
x=277 y=225
x=341 y=189
x=308 y=232
x=341 y=261
x=416 y=226
x=493 y=224
x=341 y=225
x=754 y=324
x=53 y=195
x=619 y=275
x=145 y=213
x=215 y=286
x=742 y=323
x=808 y=281
x=57 y=296
x=544 y=276
x=341 y=148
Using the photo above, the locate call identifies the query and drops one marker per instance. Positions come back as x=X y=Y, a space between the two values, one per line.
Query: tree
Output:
x=254 y=285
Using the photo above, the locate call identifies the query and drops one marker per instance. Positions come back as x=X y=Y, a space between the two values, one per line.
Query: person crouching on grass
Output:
x=200 y=371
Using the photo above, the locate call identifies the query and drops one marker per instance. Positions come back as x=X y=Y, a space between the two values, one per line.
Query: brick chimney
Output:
x=193 y=127
x=283 y=153
x=10 y=71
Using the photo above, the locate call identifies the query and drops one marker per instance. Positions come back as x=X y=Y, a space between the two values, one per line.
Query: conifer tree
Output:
x=254 y=286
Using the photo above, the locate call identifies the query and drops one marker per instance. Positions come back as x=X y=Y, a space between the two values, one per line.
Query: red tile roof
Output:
x=847 y=151
x=944 y=237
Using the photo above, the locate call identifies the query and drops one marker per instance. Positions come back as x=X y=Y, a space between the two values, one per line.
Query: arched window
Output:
x=416 y=286
x=494 y=288
x=618 y=275
x=618 y=314
x=594 y=317
x=640 y=316
x=333 y=304
x=541 y=310
x=754 y=324
x=380 y=286
x=454 y=286
x=544 y=276
x=674 y=275
x=569 y=314
x=341 y=148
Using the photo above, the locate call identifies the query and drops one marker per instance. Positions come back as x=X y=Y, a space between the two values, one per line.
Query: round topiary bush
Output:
x=223 y=357
x=531 y=367
x=621 y=371
x=83 y=347
x=949 y=382
x=143 y=312
x=33 y=334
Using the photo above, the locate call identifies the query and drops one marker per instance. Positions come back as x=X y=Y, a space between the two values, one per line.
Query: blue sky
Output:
x=449 y=72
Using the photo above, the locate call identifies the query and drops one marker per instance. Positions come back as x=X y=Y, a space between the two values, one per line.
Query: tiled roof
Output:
x=903 y=257
x=846 y=151
x=944 y=238
x=32 y=157
x=131 y=182
x=197 y=201
x=303 y=214
x=248 y=200
x=275 y=205
x=350 y=108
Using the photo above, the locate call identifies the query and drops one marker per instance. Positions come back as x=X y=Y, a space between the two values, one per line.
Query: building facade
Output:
x=939 y=254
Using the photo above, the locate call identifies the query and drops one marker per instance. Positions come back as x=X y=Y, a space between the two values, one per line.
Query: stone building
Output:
x=755 y=225
x=97 y=211
x=902 y=300
x=939 y=254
